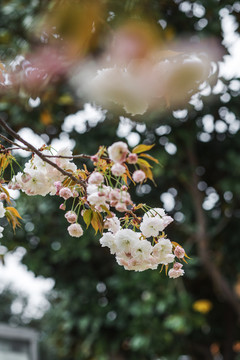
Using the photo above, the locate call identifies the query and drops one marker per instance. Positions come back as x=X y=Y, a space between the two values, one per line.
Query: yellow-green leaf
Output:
x=175 y=244
x=146 y=169
x=161 y=268
x=87 y=217
x=14 y=211
x=150 y=158
x=142 y=148
x=166 y=269
x=2 y=188
x=139 y=206
x=128 y=174
x=97 y=222
x=106 y=210
x=5 y=160
x=65 y=99
x=12 y=216
x=143 y=162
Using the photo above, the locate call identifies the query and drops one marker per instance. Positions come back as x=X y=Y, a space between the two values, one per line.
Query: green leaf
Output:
x=141 y=148
x=87 y=217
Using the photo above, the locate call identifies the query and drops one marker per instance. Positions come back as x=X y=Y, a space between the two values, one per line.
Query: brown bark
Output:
x=230 y=333
x=202 y=239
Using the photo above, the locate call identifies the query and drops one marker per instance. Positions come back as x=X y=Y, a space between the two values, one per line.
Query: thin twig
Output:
x=134 y=216
x=11 y=132
x=11 y=148
x=80 y=156
x=13 y=143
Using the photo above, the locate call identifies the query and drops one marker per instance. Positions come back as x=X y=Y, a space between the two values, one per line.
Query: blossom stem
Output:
x=134 y=216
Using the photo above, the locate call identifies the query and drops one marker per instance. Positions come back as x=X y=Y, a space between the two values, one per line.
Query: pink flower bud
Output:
x=94 y=158
x=15 y=186
x=138 y=176
x=75 y=194
x=179 y=252
x=177 y=266
x=132 y=158
x=121 y=207
x=29 y=192
x=25 y=178
x=75 y=230
x=124 y=188
x=12 y=185
x=101 y=194
x=115 y=195
x=71 y=217
x=176 y=271
x=62 y=207
x=58 y=185
x=3 y=196
x=96 y=178
x=118 y=169
x=126 y=198
x=65 y=193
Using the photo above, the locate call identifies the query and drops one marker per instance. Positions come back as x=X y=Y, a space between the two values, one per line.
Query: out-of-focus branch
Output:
x=11 y=132
x=220 y=227
x=202 y=350
x=202 y=240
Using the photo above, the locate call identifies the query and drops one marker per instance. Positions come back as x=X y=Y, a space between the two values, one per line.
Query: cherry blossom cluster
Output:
x=133 y=250
x=38 y=177
x=101 y=198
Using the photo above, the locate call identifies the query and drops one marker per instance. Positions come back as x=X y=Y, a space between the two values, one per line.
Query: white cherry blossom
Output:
x=176 y=271
x=152 y=226
x=126 y=239
x=108 y=240
x=162 y=252
x=1 y=230
x=75 y=230
x=2 y=210
x=118 y=152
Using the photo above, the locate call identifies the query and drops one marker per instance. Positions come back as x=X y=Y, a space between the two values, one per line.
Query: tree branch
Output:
x=134 y=216
x=80 y=156
x=11 y=132
x=13 y=143
x=202 y=240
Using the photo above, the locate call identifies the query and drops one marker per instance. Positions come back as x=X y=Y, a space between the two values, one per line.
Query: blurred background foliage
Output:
x=98 y=310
